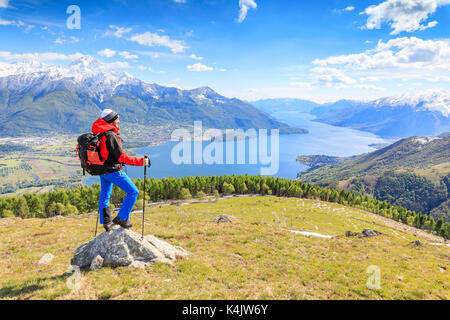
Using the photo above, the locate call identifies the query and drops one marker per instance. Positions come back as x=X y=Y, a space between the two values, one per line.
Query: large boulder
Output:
x=222 y=219
x=124 y=247
x=368 y=233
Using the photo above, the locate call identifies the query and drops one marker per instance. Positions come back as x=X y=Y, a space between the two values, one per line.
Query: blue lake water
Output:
x=321 y=139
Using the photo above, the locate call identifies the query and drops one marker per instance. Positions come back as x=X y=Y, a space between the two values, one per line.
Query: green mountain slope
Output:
x=69 y=111
x=412 y=172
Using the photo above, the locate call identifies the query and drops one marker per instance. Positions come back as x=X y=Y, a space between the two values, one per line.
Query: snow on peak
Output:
x=97 y=77
x=22 y=67
x=425 y=140
x=433 y=100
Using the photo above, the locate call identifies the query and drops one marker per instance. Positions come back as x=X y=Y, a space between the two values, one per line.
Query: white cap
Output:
x=109 y=115
x=105 y=113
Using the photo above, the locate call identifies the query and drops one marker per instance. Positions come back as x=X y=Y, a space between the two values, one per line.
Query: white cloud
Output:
x=158 y=55
x=72 y=39
x=199 y=67
x=179 y=1
x=370 y=79
x=29 y=27
x=346 y=9
x=332 y=77
x=439 y=79
x=244 y=6
x=153 y=39
x=193 y=56
x=127 y=55
x=46 y=56
x=4 y=3
x=6 y=22
x=402 y=15
x=119 y=31
x=302 y=84
x=15 y=23
x=400 y=53
x=119 y=65
x=18 y=23
x=410 y=60
x=108 y=53
x=145 y=68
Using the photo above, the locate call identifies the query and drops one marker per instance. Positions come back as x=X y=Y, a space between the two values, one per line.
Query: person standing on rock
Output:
x=111 y=150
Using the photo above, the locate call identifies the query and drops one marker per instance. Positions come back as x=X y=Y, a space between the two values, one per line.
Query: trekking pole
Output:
x=96 y=222
x=143 y=207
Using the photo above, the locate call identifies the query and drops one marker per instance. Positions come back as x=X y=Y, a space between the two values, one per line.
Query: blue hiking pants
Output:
x=121 y=180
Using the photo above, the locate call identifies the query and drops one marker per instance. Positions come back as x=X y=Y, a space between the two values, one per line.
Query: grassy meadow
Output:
x=255 y=257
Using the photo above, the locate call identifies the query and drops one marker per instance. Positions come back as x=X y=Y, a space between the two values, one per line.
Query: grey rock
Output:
x=222 y=219
x=417 y=243
x=123 y=247
x=46 y=259
x=350 y=233
x=368 y=233
x=168 y=251
x=139 y=264
x=97 y=263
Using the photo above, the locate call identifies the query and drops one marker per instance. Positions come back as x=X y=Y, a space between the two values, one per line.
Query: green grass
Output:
x=256 y=257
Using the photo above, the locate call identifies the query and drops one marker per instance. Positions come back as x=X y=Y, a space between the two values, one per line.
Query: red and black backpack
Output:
x=88 y=151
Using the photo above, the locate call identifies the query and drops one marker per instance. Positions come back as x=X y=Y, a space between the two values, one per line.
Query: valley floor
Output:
x=258 y=256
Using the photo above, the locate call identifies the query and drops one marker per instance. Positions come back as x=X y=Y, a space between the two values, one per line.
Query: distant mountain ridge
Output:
x=419 y=114
x=37 y=98
x=285 y=104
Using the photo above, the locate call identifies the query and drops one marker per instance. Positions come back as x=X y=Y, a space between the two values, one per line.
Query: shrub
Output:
x=201 y=195
x=227 y=188
x=7 y=214
x=185 y=194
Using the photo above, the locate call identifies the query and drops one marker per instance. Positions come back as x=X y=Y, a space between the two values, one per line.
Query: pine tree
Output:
x=22 y=209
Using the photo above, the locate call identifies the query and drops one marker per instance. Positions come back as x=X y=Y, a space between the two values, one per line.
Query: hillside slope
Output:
x=255 y=257
x=412 y=172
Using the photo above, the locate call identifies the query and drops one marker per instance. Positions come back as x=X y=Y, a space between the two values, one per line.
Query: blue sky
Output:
x=251 y=49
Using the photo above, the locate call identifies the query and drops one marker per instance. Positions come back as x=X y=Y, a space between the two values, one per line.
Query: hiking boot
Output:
x=107 y=223
x=124 y=224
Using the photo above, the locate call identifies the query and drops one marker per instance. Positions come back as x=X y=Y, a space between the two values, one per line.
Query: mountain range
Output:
x=419 y=114
x=36 y=98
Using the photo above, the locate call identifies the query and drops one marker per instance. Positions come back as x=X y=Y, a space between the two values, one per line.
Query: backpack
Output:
x=88 y=151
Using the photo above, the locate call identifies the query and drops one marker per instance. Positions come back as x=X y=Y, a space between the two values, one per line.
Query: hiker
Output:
x=111 y=150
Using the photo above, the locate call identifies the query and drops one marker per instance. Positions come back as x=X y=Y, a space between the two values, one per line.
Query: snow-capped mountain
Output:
x=40 y=98
x=86 y=74
x=418 y=114
x=433 y=100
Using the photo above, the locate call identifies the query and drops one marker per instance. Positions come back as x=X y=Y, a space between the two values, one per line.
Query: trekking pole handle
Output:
x=149 y=162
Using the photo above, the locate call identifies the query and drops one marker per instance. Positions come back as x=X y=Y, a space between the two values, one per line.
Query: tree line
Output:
x=84 y=199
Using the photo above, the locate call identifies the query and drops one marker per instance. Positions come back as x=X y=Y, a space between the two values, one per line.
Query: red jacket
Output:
x=111 y=147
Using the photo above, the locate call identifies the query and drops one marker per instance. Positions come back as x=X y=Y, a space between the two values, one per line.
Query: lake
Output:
x=322 y=139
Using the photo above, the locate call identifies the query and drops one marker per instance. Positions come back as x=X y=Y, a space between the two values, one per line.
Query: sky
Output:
x=249 y=49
